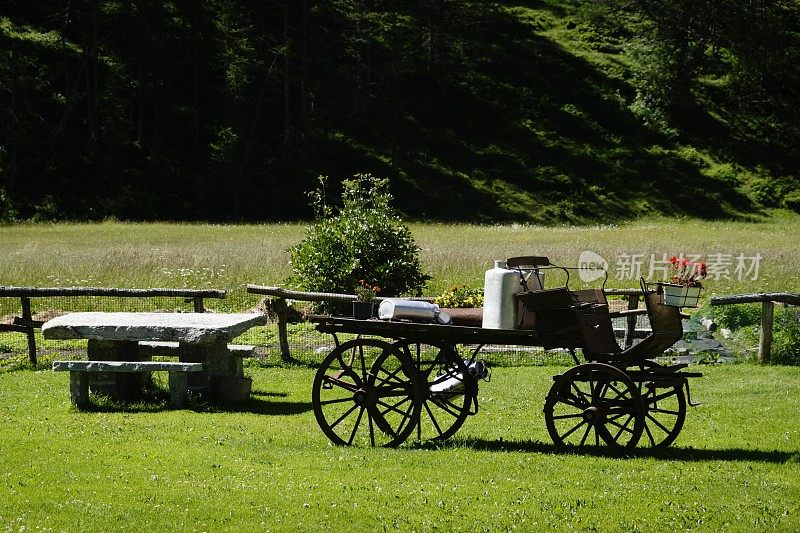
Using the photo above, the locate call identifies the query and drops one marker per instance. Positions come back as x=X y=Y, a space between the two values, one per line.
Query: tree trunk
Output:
x=91 y=54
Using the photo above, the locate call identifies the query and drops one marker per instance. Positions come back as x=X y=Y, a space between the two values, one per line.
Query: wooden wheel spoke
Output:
x=664 y=411
x=371 y=431
x=392 y=393
x=659 y=424
x=620 y=394
x=337 y=400
x=362 y=359
x=352 y=387
x=394 y=407
x=649 y=435
x=444 y=405
x=389 y=376
x=405 y=414
x=622 y=427
x=347 y=368
x=654 y=399
x=355 y=426
x=563 y=417
x=571 y=431
x=585 y=434
x=433 y=419
x=581 y=396
x=345 y=415
x=572 y=400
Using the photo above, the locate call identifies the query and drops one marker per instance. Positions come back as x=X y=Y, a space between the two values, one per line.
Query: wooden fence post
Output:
x=198 y=304
x=27 y=318
x=630 y=328
x=765 y=339
x=282 y=310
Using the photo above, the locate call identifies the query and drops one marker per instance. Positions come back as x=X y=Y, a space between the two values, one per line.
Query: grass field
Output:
x=267 y=466
x=196 y=255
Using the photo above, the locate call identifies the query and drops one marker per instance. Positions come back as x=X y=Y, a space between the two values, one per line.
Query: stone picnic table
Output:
x=130 y=337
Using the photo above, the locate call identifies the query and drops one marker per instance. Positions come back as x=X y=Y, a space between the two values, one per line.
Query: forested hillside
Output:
x=549 y=111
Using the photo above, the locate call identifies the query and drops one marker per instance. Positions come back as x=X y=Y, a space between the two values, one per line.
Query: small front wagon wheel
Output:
x=365 y=394
x=593 y=403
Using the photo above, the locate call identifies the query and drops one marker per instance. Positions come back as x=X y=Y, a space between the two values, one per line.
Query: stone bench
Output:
x=79 y=376
x=150 y=349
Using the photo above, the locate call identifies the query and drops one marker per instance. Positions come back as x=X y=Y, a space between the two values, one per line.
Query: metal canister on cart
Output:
x=400 y=309
x=499 y=305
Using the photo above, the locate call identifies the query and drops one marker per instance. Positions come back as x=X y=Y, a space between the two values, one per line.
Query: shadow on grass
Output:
x=159 y=402
x=670 y=454
x=261 y=407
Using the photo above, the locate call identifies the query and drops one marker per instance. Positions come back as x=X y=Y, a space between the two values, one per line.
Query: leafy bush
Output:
x=364 y=240
x=735 y=317
x=745 y=323
x=792 y=201
x=7 y=212
x=786 y=337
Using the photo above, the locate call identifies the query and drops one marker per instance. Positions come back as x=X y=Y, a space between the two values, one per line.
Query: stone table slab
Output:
x=191 y=328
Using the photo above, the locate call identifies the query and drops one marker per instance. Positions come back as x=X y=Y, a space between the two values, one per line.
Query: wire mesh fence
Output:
x=306 y=345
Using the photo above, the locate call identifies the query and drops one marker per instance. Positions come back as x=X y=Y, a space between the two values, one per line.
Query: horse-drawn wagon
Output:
x=399 y=379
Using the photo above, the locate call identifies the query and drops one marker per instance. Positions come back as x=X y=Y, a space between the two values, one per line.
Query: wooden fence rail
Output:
x=768 y=300
x=25 y=323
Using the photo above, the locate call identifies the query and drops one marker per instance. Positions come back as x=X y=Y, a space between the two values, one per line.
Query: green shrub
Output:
x=736 y=317
x=786 y=337
x=745 y=323
x=792 y=201
x=8 y=213
x=365 y=239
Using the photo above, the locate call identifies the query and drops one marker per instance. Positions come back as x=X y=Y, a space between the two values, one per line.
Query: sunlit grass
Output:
x=194 y=255
x=267 y=466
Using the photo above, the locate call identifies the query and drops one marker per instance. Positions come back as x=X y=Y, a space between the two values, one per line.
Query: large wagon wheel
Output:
x=665 y=411
x=594 y=402
x=365 y=393
x=448 y=390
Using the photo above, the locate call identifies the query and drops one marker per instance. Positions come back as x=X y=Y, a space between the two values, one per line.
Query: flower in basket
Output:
x=686 y=272
x=366 y=292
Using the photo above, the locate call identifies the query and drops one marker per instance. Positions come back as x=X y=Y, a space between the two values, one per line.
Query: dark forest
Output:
x=228 y=110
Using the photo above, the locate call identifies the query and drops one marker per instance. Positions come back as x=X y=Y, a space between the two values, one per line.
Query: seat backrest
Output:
x=598 y=332
x=527 y=261
x=551 y=312
x=666 y=329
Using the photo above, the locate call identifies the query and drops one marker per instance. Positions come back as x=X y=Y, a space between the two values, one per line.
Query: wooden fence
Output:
x=768 y=300
x=25 y=323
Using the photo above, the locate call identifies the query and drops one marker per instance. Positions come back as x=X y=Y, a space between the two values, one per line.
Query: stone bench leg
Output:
x=79 y=388
x=178 y=387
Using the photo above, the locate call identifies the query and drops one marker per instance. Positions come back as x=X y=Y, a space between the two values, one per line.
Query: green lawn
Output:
x=226 y=256
x=267 y=466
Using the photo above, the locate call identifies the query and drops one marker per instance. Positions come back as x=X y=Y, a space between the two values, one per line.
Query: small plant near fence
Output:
x=460 y=297
x=364 y=239
x=744 y=322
